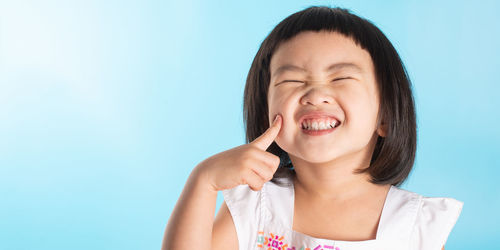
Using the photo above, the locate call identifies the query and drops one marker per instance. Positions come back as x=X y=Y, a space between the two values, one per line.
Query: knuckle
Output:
x=269 y=177
x=266 y=175
x=277 y=161
x=274 y=158
x=272 y=175
x=253 y=150
x=246 y=158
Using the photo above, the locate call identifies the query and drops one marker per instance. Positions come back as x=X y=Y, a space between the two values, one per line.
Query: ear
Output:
x=382 y=129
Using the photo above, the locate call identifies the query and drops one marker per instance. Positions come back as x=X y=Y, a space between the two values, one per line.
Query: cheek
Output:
x=279 y=103
x=362 y=113
x=283 y=103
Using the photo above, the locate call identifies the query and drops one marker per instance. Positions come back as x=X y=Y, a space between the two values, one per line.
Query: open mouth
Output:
x=319 y=124
x=319 y=127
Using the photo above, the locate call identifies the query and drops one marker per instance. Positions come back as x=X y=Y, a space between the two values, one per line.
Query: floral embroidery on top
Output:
x=275 y=242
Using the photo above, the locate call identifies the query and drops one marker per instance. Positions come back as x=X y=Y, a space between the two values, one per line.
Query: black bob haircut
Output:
x=394 y=155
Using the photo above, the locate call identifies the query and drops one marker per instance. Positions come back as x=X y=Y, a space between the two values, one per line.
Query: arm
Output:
x=191 y=222
x=224 y=235
x=442 y=248
x=192 y=218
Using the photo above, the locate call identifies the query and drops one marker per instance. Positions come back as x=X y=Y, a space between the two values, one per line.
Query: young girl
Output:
x=326 y=173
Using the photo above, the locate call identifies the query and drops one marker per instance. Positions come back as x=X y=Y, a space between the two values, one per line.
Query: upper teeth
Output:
x=318 y=124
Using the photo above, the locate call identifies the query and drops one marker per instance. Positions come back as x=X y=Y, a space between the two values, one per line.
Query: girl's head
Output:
x=366 y=89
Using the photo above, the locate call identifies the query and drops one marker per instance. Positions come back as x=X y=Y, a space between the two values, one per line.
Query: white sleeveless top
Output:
x=409 y=221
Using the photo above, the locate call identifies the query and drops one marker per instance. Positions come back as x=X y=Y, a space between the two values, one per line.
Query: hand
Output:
x=246 y=164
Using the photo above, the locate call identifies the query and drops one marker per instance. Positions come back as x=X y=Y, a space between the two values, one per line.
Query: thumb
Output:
x=264 y=141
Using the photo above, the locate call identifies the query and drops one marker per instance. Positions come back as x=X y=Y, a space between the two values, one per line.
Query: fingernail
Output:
x=275 y=118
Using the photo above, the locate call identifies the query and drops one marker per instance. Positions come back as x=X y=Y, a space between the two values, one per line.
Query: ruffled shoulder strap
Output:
x=435 y=219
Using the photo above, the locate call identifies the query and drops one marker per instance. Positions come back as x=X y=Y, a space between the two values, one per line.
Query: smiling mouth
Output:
x=322 y=128
x=314 y=125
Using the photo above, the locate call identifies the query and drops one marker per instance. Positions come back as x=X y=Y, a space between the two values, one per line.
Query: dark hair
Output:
x=394 y=154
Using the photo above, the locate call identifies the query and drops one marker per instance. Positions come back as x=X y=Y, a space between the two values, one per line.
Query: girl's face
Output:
x=347 y=92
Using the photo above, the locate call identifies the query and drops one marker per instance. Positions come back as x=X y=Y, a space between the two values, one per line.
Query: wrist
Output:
x=201 y=178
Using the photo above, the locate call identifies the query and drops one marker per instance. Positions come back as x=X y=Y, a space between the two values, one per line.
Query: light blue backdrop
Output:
x=106 y=106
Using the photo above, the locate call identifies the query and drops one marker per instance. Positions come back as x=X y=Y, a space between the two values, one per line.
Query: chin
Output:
x=316 y=159
x=316 y=156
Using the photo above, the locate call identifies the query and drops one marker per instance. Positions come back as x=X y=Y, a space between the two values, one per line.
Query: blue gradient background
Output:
x=106 y=106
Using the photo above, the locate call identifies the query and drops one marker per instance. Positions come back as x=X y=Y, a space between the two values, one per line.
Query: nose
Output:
x=317 y=95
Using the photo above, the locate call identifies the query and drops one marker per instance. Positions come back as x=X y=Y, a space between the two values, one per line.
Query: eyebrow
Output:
x=332 y=67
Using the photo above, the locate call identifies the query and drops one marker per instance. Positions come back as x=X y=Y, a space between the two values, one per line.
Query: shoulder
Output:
x=435 y=217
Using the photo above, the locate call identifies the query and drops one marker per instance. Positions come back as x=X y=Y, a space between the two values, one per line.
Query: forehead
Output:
x=316 y=52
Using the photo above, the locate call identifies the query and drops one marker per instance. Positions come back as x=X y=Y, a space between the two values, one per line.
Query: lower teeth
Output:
x=317 y=129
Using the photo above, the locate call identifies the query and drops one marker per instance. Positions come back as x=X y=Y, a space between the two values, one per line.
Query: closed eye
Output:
x=291 y=81
x=288 y=81
x=341 y=78
x=336 y=79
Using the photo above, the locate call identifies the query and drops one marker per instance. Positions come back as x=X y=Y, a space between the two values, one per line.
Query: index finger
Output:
x=264 y=141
